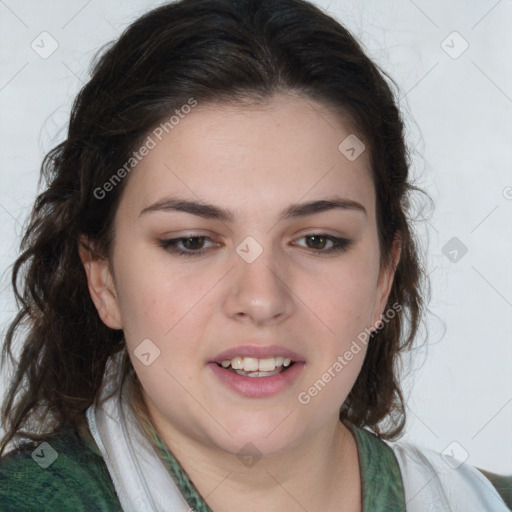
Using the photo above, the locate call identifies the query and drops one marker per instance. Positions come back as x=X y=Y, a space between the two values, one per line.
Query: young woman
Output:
x=219 y=281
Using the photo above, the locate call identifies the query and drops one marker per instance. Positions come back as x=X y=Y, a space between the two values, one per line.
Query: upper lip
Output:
x=257 y=351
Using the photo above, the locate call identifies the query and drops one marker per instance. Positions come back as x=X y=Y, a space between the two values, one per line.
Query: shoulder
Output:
x=63 y=472
x=382 y=487
x=434 y=481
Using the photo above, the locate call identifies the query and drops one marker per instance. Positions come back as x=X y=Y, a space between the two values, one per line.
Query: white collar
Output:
x=142 y=482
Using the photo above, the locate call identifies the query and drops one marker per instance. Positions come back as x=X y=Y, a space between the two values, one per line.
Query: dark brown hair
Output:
x=212 y=51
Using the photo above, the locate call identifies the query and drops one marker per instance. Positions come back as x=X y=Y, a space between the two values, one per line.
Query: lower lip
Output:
x=258 y=387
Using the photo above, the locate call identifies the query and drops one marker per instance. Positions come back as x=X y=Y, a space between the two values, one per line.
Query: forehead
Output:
x=252 y=157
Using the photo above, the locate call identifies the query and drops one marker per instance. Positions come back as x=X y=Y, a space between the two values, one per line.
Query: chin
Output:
x=262 y=433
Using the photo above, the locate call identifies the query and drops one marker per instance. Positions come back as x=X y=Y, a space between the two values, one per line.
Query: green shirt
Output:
x=78 y=479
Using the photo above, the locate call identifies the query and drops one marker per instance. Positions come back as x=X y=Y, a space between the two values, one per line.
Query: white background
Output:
x=458 y=112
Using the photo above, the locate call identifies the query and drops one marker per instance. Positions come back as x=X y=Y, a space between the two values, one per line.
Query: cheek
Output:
x=167 y=304
x=143 y=300
x=150 y=293
x=161 y=315
x=343 y=295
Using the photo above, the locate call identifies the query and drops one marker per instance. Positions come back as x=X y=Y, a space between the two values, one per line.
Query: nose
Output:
x=261 y=291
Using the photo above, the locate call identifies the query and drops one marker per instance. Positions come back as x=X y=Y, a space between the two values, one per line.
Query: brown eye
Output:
x=188 y=246
x=325 y=244
x=193 y=243
x=316 y=242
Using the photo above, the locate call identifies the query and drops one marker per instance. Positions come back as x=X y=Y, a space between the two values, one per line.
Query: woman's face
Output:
x=281 y=261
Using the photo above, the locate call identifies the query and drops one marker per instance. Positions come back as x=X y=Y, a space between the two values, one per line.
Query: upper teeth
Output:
x=252 y=364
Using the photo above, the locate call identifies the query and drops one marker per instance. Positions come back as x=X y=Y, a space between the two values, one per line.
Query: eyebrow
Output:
x=210 y=211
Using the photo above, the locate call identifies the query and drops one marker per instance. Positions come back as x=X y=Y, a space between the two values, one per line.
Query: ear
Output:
x=100 y=283
x=385 y=281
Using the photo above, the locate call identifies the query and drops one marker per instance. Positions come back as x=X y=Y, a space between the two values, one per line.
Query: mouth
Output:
x=254 y=367
x=255 y=371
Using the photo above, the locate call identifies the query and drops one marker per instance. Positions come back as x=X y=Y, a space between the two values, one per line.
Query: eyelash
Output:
x=338 y=244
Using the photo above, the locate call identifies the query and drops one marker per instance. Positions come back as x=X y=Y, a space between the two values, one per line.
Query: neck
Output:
x=320 y=474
